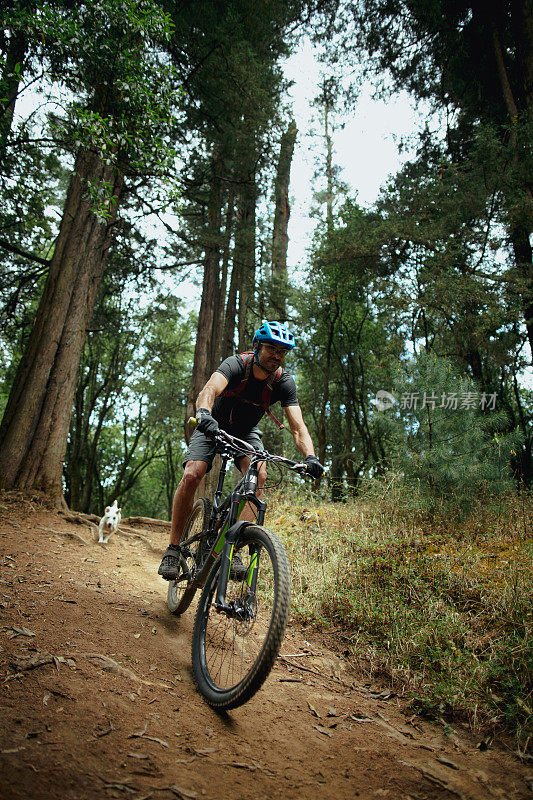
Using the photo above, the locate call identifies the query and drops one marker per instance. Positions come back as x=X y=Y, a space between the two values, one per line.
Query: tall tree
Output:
x=122 y=126
x=244 y=256
x=280 y=237
x=206 y=349
x=474 y=60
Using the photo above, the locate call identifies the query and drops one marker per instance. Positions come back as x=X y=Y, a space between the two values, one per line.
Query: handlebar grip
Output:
x=192 y=421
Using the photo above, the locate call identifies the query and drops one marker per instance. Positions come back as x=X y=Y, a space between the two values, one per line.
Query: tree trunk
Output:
x=33 y=433
x=520 y=238
x=520 y=230
x=74 y=479
x=329 y=167
x=244 y=258
x=9 y=85
x=522 y=19
x=228 y=338
x=170 y=476
x=280 y=238
x=205 y=350
x=322 y=422
x=220 y=321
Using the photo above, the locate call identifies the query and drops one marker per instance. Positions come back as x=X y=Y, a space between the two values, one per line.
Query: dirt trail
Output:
x=76 y=726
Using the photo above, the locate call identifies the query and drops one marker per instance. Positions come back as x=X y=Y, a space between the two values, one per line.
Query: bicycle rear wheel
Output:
x=232 y=654
x=179 y=596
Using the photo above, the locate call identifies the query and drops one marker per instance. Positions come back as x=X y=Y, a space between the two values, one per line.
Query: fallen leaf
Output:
x=205 y=751
x=184 y=793
x=387 y=694
x=123 y=787
x=20 y=632
x=313 y=710
x=155 y=739
x=242 y=765
x=322 y=730
x=139 y=733
x=108 y=730
x=448 y=762
x=142 y=735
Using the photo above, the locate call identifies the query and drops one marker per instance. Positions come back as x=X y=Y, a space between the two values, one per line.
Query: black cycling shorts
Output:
x=202 y=448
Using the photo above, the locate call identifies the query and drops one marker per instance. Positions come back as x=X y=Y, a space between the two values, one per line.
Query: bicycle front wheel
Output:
x=232 y=653
x=179 y=595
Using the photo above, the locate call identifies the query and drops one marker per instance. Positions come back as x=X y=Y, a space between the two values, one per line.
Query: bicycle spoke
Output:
x=233 y=645
x=194 y=525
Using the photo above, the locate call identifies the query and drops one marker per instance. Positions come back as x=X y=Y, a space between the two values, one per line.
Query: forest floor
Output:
x=97 y=698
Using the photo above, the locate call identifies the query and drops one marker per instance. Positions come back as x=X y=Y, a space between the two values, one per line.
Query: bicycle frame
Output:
x=229 y=510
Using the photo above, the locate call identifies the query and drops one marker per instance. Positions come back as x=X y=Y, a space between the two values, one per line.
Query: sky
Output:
x=366 y=148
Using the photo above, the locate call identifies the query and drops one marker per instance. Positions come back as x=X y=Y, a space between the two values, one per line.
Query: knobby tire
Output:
x=180 y=593
x=231 y=658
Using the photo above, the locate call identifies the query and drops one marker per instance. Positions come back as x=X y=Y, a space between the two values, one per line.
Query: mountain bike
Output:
x=243 y=571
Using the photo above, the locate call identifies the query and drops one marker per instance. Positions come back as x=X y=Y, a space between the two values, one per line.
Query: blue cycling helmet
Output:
x=274 y=333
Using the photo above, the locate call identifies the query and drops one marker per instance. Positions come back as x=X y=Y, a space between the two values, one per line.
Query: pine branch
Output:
x=11 y=248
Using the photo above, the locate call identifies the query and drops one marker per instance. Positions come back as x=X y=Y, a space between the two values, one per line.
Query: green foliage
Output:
x=130 y=405
x=441 y=607
x=446 y=434
x=416 y=297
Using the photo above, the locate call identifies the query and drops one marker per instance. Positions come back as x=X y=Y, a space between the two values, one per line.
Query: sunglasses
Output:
x=278 y=351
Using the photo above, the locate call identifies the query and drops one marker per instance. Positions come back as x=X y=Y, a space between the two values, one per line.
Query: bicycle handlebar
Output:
x=261 y=455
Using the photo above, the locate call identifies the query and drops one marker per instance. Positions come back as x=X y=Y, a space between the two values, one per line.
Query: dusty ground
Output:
x=72 y=610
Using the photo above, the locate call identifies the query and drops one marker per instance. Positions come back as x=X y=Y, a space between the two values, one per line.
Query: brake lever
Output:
x=301 y=468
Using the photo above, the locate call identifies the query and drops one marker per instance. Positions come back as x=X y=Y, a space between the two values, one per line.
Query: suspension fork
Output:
x=232 y=537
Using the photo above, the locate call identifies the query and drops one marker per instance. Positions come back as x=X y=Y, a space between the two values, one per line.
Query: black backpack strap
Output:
x=248 y=359
x=268 y=388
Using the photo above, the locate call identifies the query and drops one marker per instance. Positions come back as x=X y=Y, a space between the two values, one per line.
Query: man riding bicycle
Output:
x=236 y=397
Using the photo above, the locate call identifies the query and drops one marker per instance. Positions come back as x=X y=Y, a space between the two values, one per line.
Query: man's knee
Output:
x=193 y=474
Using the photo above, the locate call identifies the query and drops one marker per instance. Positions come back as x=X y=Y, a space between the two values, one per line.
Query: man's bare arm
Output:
x=300 y=433
x=212 y=389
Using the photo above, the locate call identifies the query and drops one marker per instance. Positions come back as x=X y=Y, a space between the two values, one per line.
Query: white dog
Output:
x=109 y=523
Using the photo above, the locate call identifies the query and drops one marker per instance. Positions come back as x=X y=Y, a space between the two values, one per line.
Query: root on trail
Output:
x=163 y=523
x=112 y=666
x=23 y=663
x=79 y=518
x=131 y=533
x=68 y=534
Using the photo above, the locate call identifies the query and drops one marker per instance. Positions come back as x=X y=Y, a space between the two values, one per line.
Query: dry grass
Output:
x=439 y=601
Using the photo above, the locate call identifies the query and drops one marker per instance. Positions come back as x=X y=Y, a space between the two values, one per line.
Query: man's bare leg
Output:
x=184 y=498
x=181 y=509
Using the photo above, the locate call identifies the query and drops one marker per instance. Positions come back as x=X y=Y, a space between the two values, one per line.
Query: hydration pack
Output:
x=268 y=387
